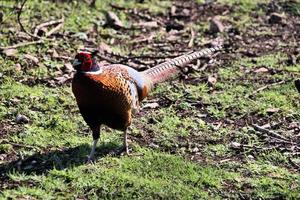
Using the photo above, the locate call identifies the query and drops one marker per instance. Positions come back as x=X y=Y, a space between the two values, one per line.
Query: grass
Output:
x=187 y=142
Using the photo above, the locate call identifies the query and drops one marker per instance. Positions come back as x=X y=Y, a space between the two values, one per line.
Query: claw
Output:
x=90 y=160
x=92 y=153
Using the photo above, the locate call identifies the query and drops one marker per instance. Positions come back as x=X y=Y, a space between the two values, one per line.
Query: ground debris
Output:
x=276 y=18
x=113 y=20
x=216 y=25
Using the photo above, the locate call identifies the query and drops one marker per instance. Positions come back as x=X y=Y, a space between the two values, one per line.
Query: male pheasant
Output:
x=109 y=94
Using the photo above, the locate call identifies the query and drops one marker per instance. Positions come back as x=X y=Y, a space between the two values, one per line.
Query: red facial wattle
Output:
x=86 y=61
x=87 y=64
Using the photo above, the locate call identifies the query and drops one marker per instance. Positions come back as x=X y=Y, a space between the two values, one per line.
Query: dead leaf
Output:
x=68 y=67
x=62 y=79
x=276 y=18
x=216 y=25
x=103 y=47
x=22 y=35
x=18 y=67
x=151 y=24
x=212 y=80
x=261 y=70
x=54 y=53
x=195 y=150
x=113 y=20
x=151 y=105
x=10 y=52
x=32 y=58
x=268 y=125
x=173 y=38
x=154 y=146
x=272 y=110
x=173 y=10
x=235 y=145
x=81 y=36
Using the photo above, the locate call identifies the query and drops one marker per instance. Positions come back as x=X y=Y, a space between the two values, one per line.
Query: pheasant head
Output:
x=84 y=61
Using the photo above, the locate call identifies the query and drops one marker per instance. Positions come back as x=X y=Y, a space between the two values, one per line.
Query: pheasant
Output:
x=110 y=94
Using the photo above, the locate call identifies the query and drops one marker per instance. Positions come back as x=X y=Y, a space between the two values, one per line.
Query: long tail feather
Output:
x=170 y=68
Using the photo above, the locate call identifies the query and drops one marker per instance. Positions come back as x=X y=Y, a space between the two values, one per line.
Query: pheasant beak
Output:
x=76 y=63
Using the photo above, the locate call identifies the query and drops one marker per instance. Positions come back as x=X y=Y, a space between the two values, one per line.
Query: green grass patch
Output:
x=155 y=175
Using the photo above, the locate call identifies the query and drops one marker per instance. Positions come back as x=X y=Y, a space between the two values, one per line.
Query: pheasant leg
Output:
x=92 y=153
x=125 y=143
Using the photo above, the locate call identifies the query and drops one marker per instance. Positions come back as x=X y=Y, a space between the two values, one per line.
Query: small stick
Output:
x=54 y=22
x=22 y=44
x=268 y=132
x=266 y=87
x=54 y=29
x=21 y=25
x=18 y=145
x=191 y=42
x=277 y=140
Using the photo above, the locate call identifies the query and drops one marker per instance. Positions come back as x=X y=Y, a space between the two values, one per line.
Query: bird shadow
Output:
x=42 y=163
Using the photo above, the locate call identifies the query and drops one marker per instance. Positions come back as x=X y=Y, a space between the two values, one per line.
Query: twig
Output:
x=18 y=145
x=277 y=140
x=60 y=21
x=266 y=87
x=54 y=22
x=55 y=28
x=22 y=44
x=268 y=132
x=191 y=42
x=21 y=25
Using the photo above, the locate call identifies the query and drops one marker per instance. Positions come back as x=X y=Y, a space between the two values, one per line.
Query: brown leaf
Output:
x=173 y=38
x=272 y=110
x=261 y=70
x=152 y=24
x=103 y=47
x=235 y=145
x=31 y=58
x=68 y=67
x=10 y=52
x=212 y=80
x=151 y=105
x=173 y=10
x=54 y=53
x=216 y=25
x=18 y=67
x=113 y=20
x=268 y=125
x=22 y=35
x=62 y=79
x=276 y=18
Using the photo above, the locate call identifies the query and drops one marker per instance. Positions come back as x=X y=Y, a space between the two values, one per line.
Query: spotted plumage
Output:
x=110 y=94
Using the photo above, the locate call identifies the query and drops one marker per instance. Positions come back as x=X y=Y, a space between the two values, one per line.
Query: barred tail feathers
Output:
x=170 y=68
